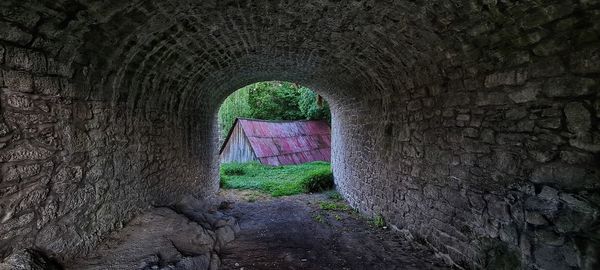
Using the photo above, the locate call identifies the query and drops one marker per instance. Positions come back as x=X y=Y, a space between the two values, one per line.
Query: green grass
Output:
x=334 y=206
x=280 y=180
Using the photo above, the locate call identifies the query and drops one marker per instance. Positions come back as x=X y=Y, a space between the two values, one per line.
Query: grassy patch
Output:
x=334 y=206
x=233 y=169
x=277 y=181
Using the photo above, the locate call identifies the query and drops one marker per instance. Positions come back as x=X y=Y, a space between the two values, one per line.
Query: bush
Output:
x=232 y=169
x=318 y=180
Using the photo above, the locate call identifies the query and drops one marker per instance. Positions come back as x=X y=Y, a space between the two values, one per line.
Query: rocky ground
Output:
x=295 y=233
x=188 y=236
x=310 y=231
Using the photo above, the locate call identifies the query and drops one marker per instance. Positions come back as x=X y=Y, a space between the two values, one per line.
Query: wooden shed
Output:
x=277 y=142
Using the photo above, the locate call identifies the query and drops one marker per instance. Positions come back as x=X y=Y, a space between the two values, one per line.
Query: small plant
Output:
x=338 y=217
x=318 y=180
x=319 y=218
x=378 y=221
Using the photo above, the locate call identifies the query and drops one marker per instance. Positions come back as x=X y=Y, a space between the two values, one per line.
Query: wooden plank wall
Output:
x=238 y=148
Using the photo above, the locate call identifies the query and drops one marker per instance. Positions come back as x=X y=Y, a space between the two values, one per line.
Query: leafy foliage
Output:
x=272 y=101
x=236 y=105
x=277 y=181
x=275 y=101
x=310 y=106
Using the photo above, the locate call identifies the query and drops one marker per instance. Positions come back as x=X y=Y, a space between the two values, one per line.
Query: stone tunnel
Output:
x=471 y=125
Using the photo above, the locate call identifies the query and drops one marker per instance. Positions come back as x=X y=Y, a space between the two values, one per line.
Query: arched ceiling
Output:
x=180 y=51
x=187 y=54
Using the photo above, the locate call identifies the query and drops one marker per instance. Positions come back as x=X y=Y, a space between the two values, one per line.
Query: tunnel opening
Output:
x=275 y=138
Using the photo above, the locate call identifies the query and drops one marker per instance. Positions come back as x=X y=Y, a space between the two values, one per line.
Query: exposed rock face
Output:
x=186 y=237
x=28 y=260
x=471 y=124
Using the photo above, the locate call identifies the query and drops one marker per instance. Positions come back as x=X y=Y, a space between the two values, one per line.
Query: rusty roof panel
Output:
x=288 y=142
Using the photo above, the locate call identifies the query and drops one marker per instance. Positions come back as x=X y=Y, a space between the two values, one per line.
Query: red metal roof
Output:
x=288 y=142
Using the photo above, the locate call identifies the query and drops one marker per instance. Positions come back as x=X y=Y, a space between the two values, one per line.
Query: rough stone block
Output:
x=551 y=47
x=546 y=67
x=28 y=260
x=585 y=61
x=14 y=34
x=47 y=85
x=516 y=113
x=17 y=172
x=579 y=205
x=543 y=15
x=528 y=93
x=549 y=123
x=491 y=98
x=567 y=176
x=574 y=157
x=568 y=87
x=578 y=118
x=535 y=218
x=20 y=81
x=549 y=257
x=22 y=59
x=549 y=194
x=457 y=99
x=513 y=77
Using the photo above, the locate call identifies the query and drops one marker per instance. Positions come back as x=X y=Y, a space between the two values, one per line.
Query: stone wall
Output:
x=495 y=169
x=74 y=170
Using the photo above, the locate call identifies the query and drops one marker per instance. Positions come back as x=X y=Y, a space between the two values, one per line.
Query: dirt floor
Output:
x=295 y=233
x=310 y=231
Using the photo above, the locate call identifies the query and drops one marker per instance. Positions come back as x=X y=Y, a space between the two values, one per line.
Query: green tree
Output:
x=236 y=105
x=310 y=106
x=275 y=101
x=272 y=100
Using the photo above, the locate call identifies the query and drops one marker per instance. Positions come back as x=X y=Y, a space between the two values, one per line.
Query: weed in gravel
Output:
x=334 y=206
x=319 y=218
x=334 y=195
x=378 y=221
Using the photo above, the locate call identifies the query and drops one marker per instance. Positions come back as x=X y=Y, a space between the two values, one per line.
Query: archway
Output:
x=471 y=125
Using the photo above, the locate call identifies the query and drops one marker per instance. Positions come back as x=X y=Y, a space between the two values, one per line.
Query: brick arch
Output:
x=472 y=125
